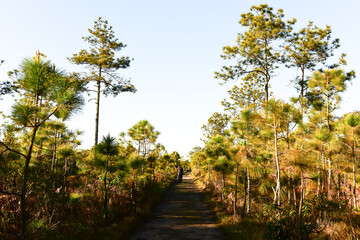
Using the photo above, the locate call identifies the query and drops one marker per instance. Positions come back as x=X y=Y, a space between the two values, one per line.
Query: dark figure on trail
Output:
x=179 y=173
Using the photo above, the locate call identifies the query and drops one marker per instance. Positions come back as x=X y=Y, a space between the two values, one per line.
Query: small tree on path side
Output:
x=109 y=148
x=44 y=91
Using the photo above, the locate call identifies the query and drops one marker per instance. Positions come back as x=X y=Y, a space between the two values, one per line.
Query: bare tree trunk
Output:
x=98 y=92
x=133 y=192
x=23 y=192
x=277 y=162
x=345 y=187
x=289 y=195
x=354 y=170
x=329 y=176
x=65 y=172
x=54 y=153
x=223 y=187
x=302 y=92
x=323 y=181
x=302 y=193
x=236 y=187
x=245 y=195
x=339 y=189
x=106 y=193
x=248 y=191
x=266 y=90
x=354 y=186
x=295 y=198
x=289 y=188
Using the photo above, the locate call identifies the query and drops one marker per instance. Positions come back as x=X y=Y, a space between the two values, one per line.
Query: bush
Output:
x=287 y=223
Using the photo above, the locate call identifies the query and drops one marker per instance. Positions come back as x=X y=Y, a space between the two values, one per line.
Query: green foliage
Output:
x=108 y=146
x=256 y=52
x=298 y=155
x=306 y=49
x=43 y=90
x=143 y=138
x=353 y=120
x=66 y=193
x=5 y=88
x=103 y=45
x=136 y=161
x=223 y=165
x=216 y=125
x=101 y=59
x=285 y=223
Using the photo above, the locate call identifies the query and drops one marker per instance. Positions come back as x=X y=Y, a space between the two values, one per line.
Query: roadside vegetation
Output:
x=276 y=169
x=271 y=168
x=52 y=189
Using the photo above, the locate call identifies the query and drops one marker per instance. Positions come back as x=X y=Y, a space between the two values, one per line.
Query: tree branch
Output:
x=48 y=116
x=12 y=150
x=10 y=193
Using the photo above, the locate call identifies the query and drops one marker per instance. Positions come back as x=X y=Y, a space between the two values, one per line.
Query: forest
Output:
x=277 y=169
x=270 y=168
x=52 y=189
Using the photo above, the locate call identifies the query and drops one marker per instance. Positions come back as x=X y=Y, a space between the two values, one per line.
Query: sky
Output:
x=176 y=46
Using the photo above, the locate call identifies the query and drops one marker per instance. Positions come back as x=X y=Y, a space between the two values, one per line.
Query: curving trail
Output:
x=182 y=215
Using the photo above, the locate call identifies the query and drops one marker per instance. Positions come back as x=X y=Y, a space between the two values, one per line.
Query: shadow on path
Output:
x=182 y=215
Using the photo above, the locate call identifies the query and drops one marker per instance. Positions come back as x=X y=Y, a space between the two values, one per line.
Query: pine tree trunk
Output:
x=318 y=181
x=65 y=172
x=277 y=162
x=54 y=160
x=248 y=192
x=345 y=186
x=54 y=153
x=106 y=193
x=223 y=187
x=354 y=186
x=267 y=77
x=329 y=177
x=339 y=189
x=23 y=192
x=166 y=170
x=98 y=92
x=301 y=193
x=323 y=173
x=289 y=195
x=354 y=170
x=97 y=114
x=302 y=92
x=236 y=187
x=133 y=191
x=245 y=195
x=289 y=188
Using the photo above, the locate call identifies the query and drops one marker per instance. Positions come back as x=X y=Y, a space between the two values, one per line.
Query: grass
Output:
x=341 y=225
x=80 y=222
x=233 y=227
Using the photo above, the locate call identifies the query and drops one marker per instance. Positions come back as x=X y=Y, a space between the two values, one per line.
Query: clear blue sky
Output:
x=176 y=45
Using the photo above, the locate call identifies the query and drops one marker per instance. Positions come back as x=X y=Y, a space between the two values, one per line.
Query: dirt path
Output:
x=182 y=215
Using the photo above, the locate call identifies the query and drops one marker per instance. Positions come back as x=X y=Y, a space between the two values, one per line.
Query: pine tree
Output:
x=44 y=91
x=103 y=64
x=305 y=50
x=256 y=51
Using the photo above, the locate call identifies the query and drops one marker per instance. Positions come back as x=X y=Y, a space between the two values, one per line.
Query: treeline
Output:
x=51 y=189
x=277 y=169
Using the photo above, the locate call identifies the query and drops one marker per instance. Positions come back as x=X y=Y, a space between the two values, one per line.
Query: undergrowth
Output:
x=320 y=220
